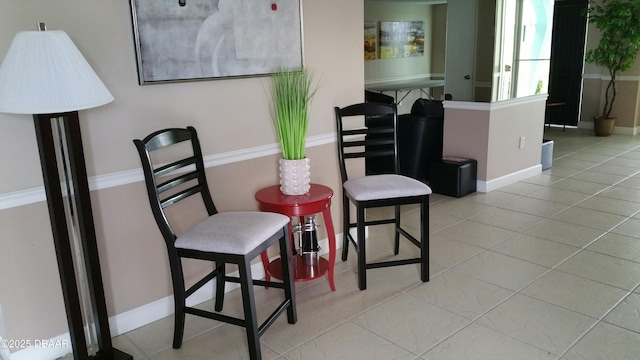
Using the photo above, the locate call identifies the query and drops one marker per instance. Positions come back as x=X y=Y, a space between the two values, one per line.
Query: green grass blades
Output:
x=292 y=91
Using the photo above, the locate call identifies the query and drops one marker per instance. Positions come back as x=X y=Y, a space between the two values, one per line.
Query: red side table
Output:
x=317 y=200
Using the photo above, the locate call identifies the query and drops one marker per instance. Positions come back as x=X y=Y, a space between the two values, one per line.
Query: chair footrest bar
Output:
x=402 y=231
x=215 y=316
x=237 y=321
x=393 y=263
x=374 y=223
x=232 y=279
x=379 y=222
x=201 y=283
x=272 y=318
x=257 y=282
x=265 y=283
x=352 y=241
x=409 y=236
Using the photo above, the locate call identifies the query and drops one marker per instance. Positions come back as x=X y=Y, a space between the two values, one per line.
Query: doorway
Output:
x=567 y=62
x=523 y=55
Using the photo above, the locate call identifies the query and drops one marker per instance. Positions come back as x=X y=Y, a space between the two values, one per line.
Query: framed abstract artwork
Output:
x=184 y=40
x=370 y=40
x=401 y=39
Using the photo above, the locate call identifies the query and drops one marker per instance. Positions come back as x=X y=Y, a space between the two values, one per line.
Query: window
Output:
x=524 y=30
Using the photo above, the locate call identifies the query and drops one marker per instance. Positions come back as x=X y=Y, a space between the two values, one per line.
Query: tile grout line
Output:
x=597 y=321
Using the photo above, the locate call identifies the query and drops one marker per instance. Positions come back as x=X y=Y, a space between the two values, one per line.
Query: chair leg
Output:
x=249 y=306
x=179 y=300
x=287 y=277
x=424 y=240
x=220 y=283
x=396 y=246
x=345 y=228
x=178 y=326
x=362 y=255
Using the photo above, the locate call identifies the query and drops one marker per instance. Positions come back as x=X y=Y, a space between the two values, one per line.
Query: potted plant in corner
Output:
x=619 y=24
x=292 y=91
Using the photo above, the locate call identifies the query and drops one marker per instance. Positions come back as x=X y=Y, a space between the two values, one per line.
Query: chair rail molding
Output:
x=36 y=194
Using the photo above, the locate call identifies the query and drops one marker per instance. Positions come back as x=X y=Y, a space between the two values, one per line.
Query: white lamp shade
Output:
x=44 y=73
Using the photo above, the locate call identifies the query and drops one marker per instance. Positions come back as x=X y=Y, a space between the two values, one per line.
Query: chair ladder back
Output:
x=369 y=109
x=179 y=180
x=157 y=187
x=367 y=141
x=173 y=167
x=181 y=175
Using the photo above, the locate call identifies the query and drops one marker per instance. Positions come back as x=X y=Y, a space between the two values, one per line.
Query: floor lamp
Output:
x=44 y=74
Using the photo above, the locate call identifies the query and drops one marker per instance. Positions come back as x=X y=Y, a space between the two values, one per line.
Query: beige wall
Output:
x=596 y=79
x=466 y=135
x=490 y=133
x=625 y=107
x=508 y=124
x=230 y=115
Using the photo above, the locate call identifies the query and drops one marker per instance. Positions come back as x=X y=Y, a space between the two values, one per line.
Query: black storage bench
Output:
x=453 y=176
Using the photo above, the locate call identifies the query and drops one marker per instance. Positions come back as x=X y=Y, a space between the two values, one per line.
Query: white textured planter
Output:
x=295 y=176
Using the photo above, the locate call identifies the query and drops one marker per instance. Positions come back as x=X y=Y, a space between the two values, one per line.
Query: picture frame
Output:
x=399 y=39
x=215 y=39
x=370 y=40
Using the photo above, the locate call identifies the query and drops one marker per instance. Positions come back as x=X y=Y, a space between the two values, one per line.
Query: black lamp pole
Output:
x=86 y=233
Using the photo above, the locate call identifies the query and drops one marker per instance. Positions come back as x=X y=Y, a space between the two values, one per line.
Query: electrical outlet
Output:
x=521 y=142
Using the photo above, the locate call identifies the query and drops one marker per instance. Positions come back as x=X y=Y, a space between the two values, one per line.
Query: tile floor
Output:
x=547 y=268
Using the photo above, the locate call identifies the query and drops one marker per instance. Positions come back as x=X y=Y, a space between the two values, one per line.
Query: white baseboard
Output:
x=494 y=184
x=618 y=130
x=143 y=315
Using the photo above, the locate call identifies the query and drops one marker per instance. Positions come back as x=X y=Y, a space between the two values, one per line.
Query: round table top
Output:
x=316 y=200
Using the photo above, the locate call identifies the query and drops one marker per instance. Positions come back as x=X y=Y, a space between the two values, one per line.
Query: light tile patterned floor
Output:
x=547 y=268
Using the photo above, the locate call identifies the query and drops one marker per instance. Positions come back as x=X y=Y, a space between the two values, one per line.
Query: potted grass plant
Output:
x=619 y=24
x=292 y=91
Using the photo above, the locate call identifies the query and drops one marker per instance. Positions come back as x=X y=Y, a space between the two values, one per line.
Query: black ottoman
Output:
x=453 y=176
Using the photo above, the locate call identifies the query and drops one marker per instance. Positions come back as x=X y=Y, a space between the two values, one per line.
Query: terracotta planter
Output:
x=603 y=126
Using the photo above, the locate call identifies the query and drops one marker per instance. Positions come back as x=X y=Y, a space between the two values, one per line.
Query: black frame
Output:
x=383 y=143
x=62 y=242
x=169 y=184
x=167 y=52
